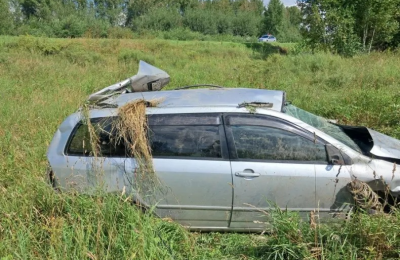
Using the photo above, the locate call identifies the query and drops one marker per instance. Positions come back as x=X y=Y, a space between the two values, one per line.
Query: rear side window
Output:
x=185 y=135
x=175 y=135
x=80 y=140
x=186 y=141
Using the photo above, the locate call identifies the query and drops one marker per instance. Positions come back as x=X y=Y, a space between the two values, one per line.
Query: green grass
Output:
x=44 y=80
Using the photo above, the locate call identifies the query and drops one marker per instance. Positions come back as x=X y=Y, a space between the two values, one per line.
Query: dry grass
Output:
x=131 y=128
x=94 y=138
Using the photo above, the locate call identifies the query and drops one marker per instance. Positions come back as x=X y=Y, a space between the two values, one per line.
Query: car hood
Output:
x=384 y=146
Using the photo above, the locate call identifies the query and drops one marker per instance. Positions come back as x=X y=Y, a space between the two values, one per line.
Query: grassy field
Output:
x=44 y=80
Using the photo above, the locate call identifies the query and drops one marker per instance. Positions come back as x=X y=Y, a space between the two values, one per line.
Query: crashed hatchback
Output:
x=224 y=155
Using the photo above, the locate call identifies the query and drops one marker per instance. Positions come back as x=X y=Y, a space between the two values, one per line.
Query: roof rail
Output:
x=148 y=78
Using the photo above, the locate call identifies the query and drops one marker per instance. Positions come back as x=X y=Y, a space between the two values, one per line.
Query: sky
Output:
x=285 y=2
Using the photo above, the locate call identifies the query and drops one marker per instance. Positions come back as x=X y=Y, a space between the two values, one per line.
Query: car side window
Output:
x=186 y=141
x=266 y=143
x=185 y=136
x=257 y=138
x=80 y=143
x=174 y=135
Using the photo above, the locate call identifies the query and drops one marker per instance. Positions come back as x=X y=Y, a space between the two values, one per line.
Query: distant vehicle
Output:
x=225 y=155
x=267 y=38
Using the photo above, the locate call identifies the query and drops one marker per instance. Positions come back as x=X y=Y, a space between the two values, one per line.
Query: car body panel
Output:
x=384 y=146
x=333 y=199
x=193 y=192
x=284 y=185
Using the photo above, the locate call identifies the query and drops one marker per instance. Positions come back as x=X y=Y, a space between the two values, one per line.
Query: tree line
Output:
x=99 y=18
x=341 y=26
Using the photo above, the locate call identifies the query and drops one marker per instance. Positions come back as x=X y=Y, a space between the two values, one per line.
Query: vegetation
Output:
x=345 y=27
x=44 y=80
x=348 y=27
x=127 y=19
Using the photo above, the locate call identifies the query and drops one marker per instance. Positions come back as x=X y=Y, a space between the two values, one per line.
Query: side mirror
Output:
x=335 y=160
x=334 y=155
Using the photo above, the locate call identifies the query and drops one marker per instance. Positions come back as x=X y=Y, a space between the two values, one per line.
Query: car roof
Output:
x=215 y=97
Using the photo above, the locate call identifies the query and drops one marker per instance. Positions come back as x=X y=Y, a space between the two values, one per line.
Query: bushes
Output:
x=119 y=33
x=70 y=27
x=200 y=21
x=162 y=19
x=246 y=24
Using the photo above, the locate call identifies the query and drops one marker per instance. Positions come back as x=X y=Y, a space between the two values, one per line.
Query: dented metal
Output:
x=384 y=146
x=148 y=78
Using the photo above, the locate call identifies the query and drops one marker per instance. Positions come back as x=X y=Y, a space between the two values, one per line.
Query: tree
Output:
x=6 y=21
x=313 y=26
x=376 y=21
x=343 y=26
x=111 y=10
x=294 y=15
x=289 y=29
x=273 y=16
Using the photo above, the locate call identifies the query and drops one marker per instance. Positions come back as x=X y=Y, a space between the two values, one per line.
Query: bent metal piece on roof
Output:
x=148 y=78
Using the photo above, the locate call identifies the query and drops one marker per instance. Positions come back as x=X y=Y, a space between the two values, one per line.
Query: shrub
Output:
x=246 y=24
x=39 y=45
x=119 y=33
x=183 y=34
x=162 y=19
x=96 y=29
x=82 y=57
x=200 y=21
x=70 y=27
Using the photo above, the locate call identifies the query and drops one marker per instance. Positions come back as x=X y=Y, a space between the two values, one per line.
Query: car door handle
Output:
x=247 y=174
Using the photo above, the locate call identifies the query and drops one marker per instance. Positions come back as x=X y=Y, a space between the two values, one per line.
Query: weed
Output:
x=133 y=56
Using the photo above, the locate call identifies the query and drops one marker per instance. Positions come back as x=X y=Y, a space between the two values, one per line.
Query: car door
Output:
x=191 y=160
x=274 y=164
x=334 y=200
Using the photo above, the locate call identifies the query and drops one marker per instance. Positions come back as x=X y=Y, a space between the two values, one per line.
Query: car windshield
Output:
x=321 y=124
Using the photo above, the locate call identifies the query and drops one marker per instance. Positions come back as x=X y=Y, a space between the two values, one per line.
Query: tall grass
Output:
x=44 y=80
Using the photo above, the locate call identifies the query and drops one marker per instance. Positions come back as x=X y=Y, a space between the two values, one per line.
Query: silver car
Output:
x=225 y=155
x=267 y=38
